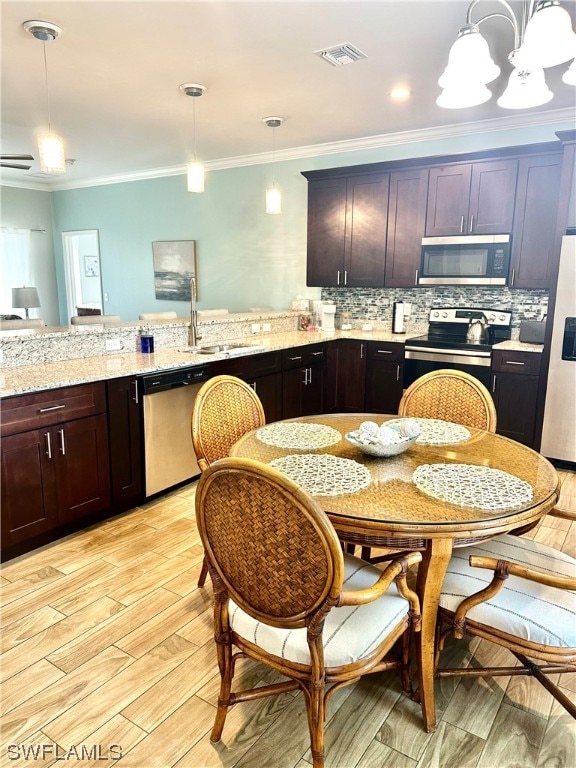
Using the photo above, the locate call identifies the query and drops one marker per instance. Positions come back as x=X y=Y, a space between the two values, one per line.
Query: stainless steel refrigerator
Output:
x=559 y=428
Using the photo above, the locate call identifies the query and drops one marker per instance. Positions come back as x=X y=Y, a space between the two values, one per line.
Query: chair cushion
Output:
x=523 y=608
x=350 y=632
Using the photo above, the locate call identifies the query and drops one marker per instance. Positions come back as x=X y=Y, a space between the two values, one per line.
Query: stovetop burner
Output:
x=448 y=327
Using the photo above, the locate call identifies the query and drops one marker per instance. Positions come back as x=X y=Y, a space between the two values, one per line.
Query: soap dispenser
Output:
x=398 y=317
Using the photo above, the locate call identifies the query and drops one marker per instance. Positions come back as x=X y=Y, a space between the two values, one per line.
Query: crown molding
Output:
x=459 y=130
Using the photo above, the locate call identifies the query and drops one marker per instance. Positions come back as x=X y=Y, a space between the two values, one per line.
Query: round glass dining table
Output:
x=398 y=503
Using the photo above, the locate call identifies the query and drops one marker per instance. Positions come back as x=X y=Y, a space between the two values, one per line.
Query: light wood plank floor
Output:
x=107 y=649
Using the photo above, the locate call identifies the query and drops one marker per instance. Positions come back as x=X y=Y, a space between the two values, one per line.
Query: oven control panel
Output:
x=464 y=315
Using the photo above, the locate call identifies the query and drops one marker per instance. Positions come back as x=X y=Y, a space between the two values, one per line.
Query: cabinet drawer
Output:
x=516 y=362
x=42 y=409
x=385 y=350
x=296 y=357
x=249 y=367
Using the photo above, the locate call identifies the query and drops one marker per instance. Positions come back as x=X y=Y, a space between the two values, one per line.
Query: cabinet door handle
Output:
x=462 y=223
x=513 y=362
x=493 y=383
x=512 y=278
x=398 y=372
x=293 y=359
x=305 y=382
x=253 y=385
x=309 y=375
x=48 y=445
x=384 y=351
x=51 y=408
x=135 y=398
x=361 y=351
x=338 y=277
x=316 y=354
x=345 y=277
x=62 y=442
x=416 y=278
x=471 y=227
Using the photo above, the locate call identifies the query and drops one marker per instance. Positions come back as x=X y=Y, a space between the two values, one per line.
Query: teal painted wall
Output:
x=245 y=257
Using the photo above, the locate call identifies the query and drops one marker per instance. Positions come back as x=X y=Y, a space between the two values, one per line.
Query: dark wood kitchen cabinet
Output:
x=126 y=442
x=346 y=376
x=471 y=198
x=406 y=223
x=263 y=374
x=515 y=391
x=55 y=464
x=347 y=219
x=303 y=380
x=535 y=221
x=384 y=375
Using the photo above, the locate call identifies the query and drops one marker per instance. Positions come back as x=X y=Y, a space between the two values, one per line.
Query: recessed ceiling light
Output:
x=400 y=92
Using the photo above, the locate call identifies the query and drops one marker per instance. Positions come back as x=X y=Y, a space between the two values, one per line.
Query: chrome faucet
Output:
x=193 y=337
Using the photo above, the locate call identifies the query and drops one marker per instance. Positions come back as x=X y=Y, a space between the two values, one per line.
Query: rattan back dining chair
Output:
x=450 y=395
x=285 y=594
x=225 y=409
x=519 y=594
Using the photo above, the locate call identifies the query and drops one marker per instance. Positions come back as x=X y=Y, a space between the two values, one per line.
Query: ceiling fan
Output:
x=12 y=164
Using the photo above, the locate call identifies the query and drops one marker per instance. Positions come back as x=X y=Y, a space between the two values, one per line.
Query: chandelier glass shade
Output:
x=273 y=193
x=51 y=154
x=194 y=169
x=195 y=177
x=546 y=41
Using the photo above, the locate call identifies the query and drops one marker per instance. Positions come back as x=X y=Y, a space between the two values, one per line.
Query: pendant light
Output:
x=273 y=193
x=543 y=38
x=194 y=169
x=50 y=145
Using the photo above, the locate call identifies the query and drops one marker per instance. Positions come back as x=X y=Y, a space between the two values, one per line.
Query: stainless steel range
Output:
x=457 y=338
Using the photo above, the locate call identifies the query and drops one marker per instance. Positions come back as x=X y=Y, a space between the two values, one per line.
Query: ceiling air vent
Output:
x=345 y=53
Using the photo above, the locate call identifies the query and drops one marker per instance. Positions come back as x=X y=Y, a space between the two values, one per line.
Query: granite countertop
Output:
x=35 y=378
x=518 y=346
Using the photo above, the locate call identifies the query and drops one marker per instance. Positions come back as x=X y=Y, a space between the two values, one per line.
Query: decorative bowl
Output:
x=380 y=449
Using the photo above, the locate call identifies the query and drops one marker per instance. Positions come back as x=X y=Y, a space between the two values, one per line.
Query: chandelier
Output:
x=543 y=38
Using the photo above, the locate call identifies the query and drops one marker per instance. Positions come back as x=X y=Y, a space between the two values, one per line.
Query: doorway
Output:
x=83 y=274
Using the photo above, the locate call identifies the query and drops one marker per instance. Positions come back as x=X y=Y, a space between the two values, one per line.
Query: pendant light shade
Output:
x=525 y=89
x=463 y=96
x=50 y=145
x=194 y=169
x=469 y=60
x=51 y=154
x=549 y=39
x=195 y=177
x=273 y=193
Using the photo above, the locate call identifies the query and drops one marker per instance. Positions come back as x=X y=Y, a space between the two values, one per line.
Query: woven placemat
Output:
x=323 y=474
x=437 y=431
x=469 y=485
x=305 y=436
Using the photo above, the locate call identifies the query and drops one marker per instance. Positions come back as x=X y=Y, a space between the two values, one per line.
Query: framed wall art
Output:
x=174 y=266
x=91 y=266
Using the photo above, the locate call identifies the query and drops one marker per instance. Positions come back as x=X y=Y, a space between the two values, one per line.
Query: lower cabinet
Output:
x=384 y=375
x=515 y=391
x=55 y=468
x=263 y=374
x=346 y=376
x=126 y=443
x=303 y=381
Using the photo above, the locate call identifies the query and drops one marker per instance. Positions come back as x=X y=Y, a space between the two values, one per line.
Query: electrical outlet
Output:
x=255 y=327
x=266 y=327
x=113 y=345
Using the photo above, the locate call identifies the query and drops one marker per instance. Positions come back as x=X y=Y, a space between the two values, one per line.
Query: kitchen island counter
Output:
x=35 y=378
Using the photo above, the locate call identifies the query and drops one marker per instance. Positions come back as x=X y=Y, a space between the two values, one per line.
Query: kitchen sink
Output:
x=227 y=349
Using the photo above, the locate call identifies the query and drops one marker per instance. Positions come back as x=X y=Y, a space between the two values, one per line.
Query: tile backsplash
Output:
x=375 y=304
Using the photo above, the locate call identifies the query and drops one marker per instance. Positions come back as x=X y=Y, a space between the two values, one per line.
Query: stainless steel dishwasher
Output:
x=168 y=399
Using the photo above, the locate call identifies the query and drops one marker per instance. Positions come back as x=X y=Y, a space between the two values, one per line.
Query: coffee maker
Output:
x=325 y=313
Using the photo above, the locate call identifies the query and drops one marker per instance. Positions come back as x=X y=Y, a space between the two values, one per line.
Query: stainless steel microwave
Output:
x=465 y=260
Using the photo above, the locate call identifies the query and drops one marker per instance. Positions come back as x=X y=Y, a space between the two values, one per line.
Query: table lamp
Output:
x=25 y=297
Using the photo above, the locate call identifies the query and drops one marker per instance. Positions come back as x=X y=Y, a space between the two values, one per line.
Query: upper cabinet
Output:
x=347 y=231
x=406 y=220
x=535 y=221
x=472 y=198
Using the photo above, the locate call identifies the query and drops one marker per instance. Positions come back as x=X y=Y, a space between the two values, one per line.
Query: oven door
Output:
x=421 y=360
